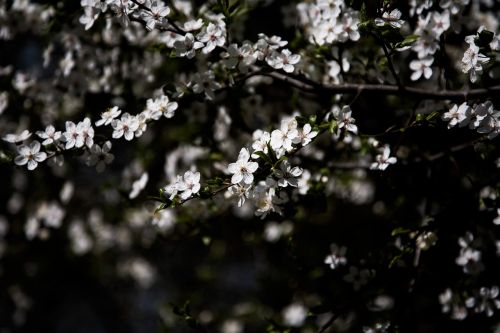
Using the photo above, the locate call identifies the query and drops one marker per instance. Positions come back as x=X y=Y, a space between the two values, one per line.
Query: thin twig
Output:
x=389 y=61
x=329 y=323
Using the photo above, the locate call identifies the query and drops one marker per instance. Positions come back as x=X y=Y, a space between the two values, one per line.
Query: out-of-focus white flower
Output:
x=294 y=315
x=16 y=138
x=100 y=156
x=4 y=101
x=421 y=67
x=138 y=185
x=336 y=256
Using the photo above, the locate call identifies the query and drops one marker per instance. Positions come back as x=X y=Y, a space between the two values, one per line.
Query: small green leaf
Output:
x=333 y=126
x=399 y=231
x=205 y=192
x=264 y=157
x=408 y=41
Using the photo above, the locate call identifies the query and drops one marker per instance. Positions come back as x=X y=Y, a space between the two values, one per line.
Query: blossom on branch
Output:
x=30 y=155
x=243 y=168
x=383 y=160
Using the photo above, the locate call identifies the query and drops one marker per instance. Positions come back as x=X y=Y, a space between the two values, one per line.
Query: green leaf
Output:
x=205 y=192
x=160 y=208
x=399 y=231
x=432 y=116
x=264 y=157
x=333 y=126
x=216 y=181
x=408 y=41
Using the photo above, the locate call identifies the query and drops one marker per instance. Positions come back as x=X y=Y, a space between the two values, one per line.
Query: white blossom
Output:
x=472 y=61
x=156 y=15
x=16 y=138
x=213 y=36
x=205 y=82
x=421 y=67
x=72 y=136
x=305 y=135
x=336 y=256
x=30 y=155
x=239 y=191
x=243 y=168
x=392 y=18
x=125 y=126
x=138 y=185
x=86 y=132
x=456 y=114
x=108 y=116
x=190 y=184
x=284 y=136
x=383 y=160
x=287 y=175
x=161 y=106
x=187 y=46
x=50 y=135
x=345 y=119
x=243 y=57
x=469 y=257
x=184 y=186
x=284 y=60
x=260 y=143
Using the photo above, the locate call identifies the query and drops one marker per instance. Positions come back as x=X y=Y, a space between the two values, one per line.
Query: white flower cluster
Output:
x=429 y=28
x=211 y=36
x=48 y=215
x=469 y=257
x=81 y=135
x=483 y=300
x=267 y=195
x=329 y=21
x=473 y=60
x=282 y=140
x=184 y=186
x=266 y=49
x=154 y=16
x=345 y=122
x=481 y=117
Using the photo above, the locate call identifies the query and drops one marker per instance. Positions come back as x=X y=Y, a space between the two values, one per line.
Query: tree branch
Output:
x=306 y=85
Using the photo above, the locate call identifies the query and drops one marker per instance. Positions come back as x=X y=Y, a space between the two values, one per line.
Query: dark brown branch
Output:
x=385 y=89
